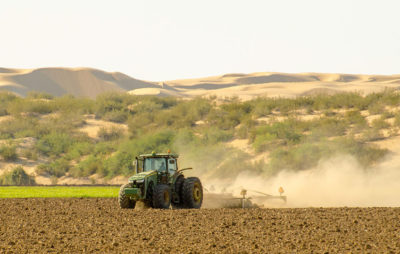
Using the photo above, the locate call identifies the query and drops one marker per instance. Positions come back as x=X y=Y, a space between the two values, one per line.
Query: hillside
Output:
x=87 y=82
x=69 y=140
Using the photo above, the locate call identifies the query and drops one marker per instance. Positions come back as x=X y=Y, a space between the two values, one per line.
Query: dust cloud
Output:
x=337 y=182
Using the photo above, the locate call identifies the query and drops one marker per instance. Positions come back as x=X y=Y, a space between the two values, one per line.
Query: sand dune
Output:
x=89 y=82
x=247 y=86
x=60 y=81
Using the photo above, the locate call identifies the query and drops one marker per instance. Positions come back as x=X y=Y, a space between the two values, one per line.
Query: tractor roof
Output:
x=159 y=155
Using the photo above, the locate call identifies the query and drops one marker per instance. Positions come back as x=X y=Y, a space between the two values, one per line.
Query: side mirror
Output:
x=171 y=161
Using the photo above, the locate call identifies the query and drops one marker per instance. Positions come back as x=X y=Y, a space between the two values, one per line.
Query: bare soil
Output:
x=100 y=226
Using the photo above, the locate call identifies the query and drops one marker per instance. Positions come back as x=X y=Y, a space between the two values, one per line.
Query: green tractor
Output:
x=160 y=184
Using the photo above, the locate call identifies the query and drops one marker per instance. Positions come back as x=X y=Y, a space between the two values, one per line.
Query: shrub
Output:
x=355 y=118
x=215 y=135
x=108 y=134
x=264 y=142
x=3 y=111
x=89 y=166
x=17 y=176
x=57 y=168
x=387 y=114
x=371 y=134
x=79 y=149
x=307 y=155
x=19 y=127
x=222 y=119
x=262 y=107
x=69 y=103
x=39 y=106
x=30 y=154
x=8 y=152
x=288 y=132
x=6 y=96
x=116 y=116
x=380 y=123
x=246 y=128
x=376 y=108
x=120 y=163
x=54 y=143
x=304 y=156
x=397 y=119
x=328 y=127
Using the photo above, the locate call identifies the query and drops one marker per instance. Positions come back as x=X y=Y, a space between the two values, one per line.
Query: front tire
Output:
x=124 y=201
x=162 y=196
x=192 y=193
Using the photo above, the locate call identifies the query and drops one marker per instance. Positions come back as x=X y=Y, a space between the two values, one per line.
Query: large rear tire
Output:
x=192 y=193
x=178 y=189
x=124 y=201
x=162 y=196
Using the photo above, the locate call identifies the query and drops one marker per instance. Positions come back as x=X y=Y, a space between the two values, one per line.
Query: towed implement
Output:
x=160 y=184
x=245 y=200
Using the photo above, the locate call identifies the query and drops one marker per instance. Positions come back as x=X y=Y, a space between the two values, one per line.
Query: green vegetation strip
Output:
x=58 y=192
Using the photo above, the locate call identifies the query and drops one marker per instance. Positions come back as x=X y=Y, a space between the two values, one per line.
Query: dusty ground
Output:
x=98 y=225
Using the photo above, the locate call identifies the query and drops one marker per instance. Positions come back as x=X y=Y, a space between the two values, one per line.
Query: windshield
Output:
x=154 y=164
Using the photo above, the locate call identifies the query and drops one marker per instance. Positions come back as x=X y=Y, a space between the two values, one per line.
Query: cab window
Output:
x=158 y=164
x=139 y=166
x=171 y=166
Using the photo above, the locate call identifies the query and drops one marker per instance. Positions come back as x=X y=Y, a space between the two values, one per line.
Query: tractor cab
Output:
x=163 y=163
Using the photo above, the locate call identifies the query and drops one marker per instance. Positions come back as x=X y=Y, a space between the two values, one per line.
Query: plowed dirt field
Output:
x=98 y=225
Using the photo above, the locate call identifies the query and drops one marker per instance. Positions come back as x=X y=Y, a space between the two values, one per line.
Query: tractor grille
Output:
x=138 y=185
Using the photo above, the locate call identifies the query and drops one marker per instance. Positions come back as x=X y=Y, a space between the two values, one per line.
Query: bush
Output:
x=8 y=152
x=26 y=106
x=308 y=155
x=69 y=103
x=120 y=163
x=89 y=166
x=287 y=132
x=246 y=128
x=54 y=143
x=79 y=149
x=376 y=108
x=6 y=96
x=19 y=127
x=17 y=176
x=215 y=135
x=380 y=123
x=328 y=127
x=57 y=168
x=30 y=154
x=108 y=134
x=356 y=119
x=371 y=134
x=116 y=116
x=397 y=119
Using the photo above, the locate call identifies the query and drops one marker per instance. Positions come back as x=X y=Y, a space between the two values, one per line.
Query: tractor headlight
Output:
x=140 y=181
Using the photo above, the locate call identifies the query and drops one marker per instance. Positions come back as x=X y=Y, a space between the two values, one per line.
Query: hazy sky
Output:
x=162 y=40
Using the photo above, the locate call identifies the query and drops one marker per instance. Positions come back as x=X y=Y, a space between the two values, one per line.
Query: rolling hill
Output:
x=88 y=82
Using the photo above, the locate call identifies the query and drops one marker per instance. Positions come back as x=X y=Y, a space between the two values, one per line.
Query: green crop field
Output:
x=59 y=192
